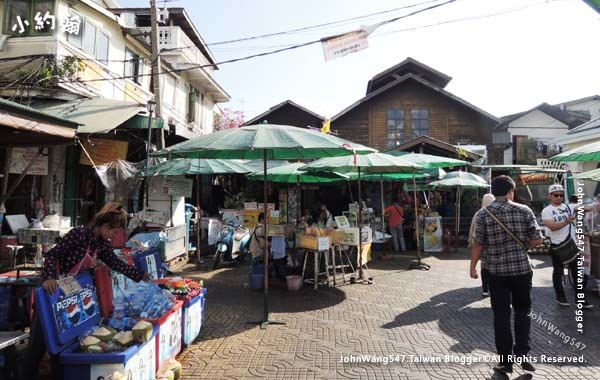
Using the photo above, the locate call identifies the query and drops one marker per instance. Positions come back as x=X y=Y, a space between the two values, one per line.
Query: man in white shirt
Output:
x=558 y=219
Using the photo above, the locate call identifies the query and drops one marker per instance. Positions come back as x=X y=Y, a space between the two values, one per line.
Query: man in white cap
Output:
x=558 y=219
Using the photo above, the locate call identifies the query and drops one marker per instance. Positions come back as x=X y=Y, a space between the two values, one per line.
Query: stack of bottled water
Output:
x=144 y=299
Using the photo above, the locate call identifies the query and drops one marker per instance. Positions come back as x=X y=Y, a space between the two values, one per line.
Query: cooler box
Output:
x=193 y=312
x=168 y=340
x=65 y=317
x=149 y=261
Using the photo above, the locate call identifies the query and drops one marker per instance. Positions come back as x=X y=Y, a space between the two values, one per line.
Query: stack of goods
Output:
x=184 y=289
x=146 y=300
x=105 y=339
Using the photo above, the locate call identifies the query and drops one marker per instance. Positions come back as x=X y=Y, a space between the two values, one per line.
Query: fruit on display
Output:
x=142 y=331
x=170 y=371
x=104 y=333
x=184 y=289
x=90 y=341
x=124 y=338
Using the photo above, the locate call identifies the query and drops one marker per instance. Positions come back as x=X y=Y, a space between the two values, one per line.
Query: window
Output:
x=395 y=128
x=89 y=39
x=419 y=123
x=133 y=66
x=192 y=97
x=102 y=47
x=75 y=35
x=29 y=17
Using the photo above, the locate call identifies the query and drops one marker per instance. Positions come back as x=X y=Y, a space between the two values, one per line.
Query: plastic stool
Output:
x=13 y=252
x=316 y=256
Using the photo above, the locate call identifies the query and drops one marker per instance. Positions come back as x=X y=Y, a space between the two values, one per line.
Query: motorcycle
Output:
x=233 y=245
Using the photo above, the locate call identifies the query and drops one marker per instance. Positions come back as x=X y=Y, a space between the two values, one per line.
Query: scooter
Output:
x=233 y=245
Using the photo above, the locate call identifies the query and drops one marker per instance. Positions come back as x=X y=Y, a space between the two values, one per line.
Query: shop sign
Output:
x=102 y=151
x=344 y=44
x=21 y=157
x=535 y=179
x=177 y=186
x=433 y=235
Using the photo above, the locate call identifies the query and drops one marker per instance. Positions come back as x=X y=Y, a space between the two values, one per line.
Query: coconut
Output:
x=90 y=341
x=96 y=349
x=142 y=331
x=105 y=334
x=124 y=338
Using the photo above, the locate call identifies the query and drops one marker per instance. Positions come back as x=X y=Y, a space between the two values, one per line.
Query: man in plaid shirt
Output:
x=509 y=266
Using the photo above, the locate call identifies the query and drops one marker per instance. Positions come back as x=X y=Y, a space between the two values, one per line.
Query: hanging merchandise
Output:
x=118 y=177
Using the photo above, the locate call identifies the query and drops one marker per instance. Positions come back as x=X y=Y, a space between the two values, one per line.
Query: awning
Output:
x=96 y=115
x=24 y=126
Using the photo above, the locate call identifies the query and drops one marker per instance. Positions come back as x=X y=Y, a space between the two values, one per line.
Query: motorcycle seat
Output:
x=239 y=234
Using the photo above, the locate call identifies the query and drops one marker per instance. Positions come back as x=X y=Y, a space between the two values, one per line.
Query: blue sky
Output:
x=535 y=51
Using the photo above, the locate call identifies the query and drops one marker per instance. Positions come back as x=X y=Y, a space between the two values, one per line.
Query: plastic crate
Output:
x=191 y=323
x=168 y=340
x=149 y=261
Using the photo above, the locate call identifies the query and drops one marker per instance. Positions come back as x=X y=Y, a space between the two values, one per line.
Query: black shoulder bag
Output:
x=566 y=251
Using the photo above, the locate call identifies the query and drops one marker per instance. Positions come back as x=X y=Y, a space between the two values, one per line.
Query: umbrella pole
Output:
x=418 y=265
x=457 y=217
x=198 y=220
x=266 y=322
x=382 y=213
x=360 y=261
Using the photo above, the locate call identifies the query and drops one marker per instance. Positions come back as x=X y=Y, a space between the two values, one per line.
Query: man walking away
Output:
x=509 y=268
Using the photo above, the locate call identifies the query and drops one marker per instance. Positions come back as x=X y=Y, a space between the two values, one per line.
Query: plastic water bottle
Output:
x=39 y=257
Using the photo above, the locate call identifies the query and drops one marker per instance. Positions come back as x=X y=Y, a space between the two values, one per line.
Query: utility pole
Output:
x=160 y=136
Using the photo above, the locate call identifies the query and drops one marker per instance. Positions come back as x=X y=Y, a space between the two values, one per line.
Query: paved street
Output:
x=426 y=314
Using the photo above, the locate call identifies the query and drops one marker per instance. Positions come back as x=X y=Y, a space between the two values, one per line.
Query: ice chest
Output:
x=193 y=313
x=149 y=261
x=168 y=340
x=64 y=318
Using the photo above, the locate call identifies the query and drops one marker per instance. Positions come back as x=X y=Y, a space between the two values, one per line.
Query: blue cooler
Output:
x=149 y=261
x=168 y=340
x=193 y=313
x=64 y=318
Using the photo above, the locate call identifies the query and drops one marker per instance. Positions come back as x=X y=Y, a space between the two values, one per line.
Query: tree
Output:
x=229 y=119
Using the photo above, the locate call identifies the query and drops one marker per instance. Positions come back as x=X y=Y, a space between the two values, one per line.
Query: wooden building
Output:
x=407 y=101
x=289 y=113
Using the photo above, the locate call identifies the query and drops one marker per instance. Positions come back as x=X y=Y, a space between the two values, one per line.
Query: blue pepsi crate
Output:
x=66 y=317
x=150 y=261
x=193 y=316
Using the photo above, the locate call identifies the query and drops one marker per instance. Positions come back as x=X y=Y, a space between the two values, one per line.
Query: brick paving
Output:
x=427 y=314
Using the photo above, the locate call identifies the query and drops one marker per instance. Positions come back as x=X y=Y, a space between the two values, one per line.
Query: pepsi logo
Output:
x=89 y=305
x=73 y=313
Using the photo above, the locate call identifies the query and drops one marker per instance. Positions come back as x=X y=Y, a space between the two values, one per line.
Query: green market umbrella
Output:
x=291 y=174
x=591 y=175
x=587 y=152
x=266 y=142
x=427 y=160
x=460 y=180
x=374 y=163
x=195 y=166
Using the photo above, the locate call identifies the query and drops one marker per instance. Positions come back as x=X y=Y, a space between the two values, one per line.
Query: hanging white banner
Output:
x=344 y=44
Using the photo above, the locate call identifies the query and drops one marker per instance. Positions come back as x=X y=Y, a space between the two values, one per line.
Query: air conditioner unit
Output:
x=128 y=19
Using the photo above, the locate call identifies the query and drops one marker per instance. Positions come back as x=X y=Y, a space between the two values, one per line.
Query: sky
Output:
x=505 y=56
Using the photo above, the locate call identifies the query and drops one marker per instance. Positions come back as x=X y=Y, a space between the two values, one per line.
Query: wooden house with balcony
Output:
x=407 y=101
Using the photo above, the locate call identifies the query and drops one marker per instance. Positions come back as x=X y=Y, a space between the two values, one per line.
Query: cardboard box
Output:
x=319 y=243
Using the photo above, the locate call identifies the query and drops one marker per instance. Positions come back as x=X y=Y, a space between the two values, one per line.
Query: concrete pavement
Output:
x=426 y=324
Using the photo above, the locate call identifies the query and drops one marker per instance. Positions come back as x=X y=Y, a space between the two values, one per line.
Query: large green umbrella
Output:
x=193 y=166
x=591 y=175
x=587 y=152
x=427 y=160
x=460 y=180
x=197 y=167
x=370 y=163
x=266 y=142
x=291 y=174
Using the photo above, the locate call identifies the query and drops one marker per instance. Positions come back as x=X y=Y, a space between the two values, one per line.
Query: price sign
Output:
x=69 y=285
